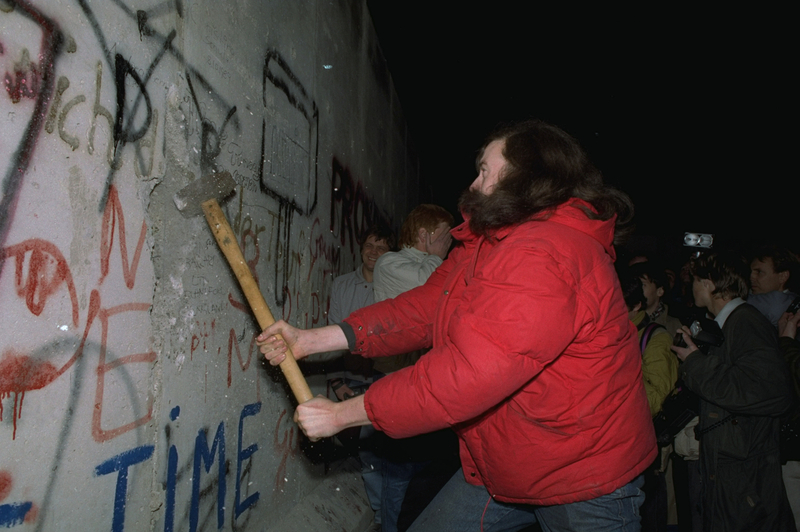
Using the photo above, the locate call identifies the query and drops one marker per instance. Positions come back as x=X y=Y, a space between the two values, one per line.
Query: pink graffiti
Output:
x=112 y=213
x=47 y=271
x=233 y=345
x=26 y=80
x=288 y=447
x=6 y=483
x=103 y=367
x=19 y=374
x=202 y=336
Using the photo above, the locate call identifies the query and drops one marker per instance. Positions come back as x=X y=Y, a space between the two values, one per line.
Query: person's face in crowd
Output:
x=702 y=290
x=371 y=251
x=763 y=278
x=491 y=168
x=652 y=293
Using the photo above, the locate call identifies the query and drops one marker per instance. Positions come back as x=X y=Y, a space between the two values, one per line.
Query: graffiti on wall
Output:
x=205 y=457
x=97 y=102
x=43 y=279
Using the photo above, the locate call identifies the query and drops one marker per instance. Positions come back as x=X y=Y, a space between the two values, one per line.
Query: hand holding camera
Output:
x=682 y=344
x=697 y=337
x=788 y=323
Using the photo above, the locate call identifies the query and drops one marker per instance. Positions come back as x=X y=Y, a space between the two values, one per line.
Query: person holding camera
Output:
x=744 y=386
x=790 y=430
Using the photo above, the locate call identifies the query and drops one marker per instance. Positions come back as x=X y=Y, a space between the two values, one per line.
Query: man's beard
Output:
x=472 y=202
x=504 y=207
x=481 y=211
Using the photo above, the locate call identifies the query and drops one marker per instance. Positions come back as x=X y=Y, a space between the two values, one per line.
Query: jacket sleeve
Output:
x=335 y=369
x=403 y=324
x=659 y=370
x=517 y=315
x=394 y=274
x=754 y=381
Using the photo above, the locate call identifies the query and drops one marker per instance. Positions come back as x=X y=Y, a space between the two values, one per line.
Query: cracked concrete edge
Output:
x=339 y=503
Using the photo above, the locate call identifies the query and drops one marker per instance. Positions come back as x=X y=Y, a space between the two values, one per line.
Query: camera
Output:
x=704 y=335
x=795 y=306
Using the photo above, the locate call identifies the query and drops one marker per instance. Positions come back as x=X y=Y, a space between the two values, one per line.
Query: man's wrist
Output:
x=350 y=413
x=321 y=340
x=690 y=353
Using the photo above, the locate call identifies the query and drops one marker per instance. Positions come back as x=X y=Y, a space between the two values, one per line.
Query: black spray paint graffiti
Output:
x=131 y=122
x=288 y=170
x=353 y=211
x=125 y=129
x=52 y=40
x=124 y=132
x=142 y=17
x=210 y=138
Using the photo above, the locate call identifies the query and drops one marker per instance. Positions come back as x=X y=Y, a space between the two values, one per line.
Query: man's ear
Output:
x=784 y=277
x=660 y=292
x=637 y=307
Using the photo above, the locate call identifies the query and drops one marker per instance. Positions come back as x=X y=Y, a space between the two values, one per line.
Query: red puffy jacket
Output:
x=535 y=363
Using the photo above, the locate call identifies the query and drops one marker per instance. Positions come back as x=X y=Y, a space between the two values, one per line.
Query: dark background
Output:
x=691 y=112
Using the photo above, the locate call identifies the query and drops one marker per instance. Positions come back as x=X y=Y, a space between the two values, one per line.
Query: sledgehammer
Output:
x=204 y=193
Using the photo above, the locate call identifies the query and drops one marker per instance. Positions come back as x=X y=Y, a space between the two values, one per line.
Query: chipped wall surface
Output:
x=131 y=391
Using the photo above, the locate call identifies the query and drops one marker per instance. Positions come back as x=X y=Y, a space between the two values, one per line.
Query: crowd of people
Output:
x=587 y=393
x=734 y=465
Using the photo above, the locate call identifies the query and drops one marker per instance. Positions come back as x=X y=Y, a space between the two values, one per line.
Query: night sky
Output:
x=692 y=113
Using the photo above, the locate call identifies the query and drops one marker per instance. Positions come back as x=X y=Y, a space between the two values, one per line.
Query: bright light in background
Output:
x=698 y=240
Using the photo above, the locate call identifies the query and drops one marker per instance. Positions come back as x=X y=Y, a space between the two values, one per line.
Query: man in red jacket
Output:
x=534 y=362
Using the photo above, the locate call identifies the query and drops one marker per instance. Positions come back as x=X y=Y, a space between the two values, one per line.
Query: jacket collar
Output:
x=732 y=305
x=571 y=213
x=414 y=253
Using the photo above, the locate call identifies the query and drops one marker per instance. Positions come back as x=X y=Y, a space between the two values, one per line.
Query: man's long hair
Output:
x=545 y=168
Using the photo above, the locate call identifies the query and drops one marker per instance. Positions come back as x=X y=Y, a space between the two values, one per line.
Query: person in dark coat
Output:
x=744 y=386
x=790 y=431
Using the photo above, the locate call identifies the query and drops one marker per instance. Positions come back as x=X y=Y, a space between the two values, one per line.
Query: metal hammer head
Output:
x=217 y=186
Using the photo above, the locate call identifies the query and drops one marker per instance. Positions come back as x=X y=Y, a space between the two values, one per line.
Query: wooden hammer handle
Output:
x=230 y=248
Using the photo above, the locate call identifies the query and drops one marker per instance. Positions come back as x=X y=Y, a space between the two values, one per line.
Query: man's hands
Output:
x=787 y=324
x=317 y=418
x=321 y=417
x=274 y=348
x=683 y=352
x=301 y=342
x=438 y=242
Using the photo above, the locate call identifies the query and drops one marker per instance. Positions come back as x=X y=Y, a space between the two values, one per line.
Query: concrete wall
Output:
x=132 y=392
